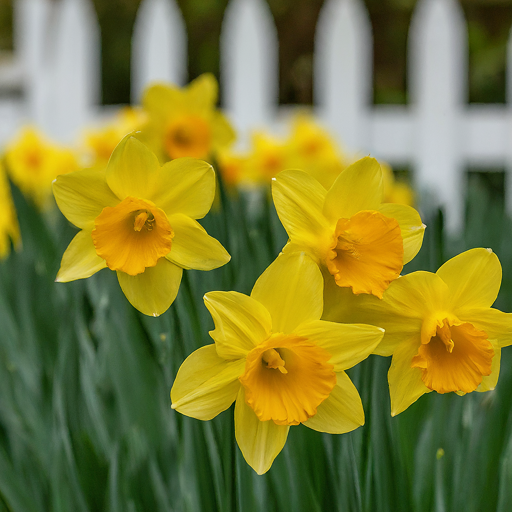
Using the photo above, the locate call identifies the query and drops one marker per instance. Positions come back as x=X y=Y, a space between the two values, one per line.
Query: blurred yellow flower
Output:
x=33 y=163
x=101 y=142
x=185 y=122
x=440 y=328
x=9 y=229
x=360 y=242
x=138 y=219
x=278 y=360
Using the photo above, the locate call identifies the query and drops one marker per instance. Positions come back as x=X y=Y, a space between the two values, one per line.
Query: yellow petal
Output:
x=185 y=185
x=341 y=412
x=495 y=323
x=348 y=344
x=222 y=131
x=405 y=384
x=410 y=224
x=401 y=311
x=193 y=247
x=241 y=323
x=299 y=200
x=153 y=291
x=160 y=99
x=206 y=384
x=489 y=381
x=202 y=92
x=82 y=195
x=473 y=277
x=260 y=441
x=358 y=187
x=80 y=259
x=132 y=169
x=291 y=289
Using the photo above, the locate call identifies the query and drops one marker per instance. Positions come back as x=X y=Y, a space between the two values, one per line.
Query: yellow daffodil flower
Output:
x=440 y=328
x=185 y=122
x=138 y=219
x=9 y=229
x=357 y=241
x=33 y=163
x=278 y=360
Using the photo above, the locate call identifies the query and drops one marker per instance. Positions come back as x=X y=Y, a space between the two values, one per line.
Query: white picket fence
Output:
x=438 y=134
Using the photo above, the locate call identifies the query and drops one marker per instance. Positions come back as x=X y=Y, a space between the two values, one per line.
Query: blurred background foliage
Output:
x=489 y=23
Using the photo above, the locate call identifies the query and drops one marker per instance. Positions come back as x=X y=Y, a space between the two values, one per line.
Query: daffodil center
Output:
x=272 y=359
x=144 y=219
x=455 y=358
x=132 y=236
x=286 y=378
x=188 y=135
x=367 y=252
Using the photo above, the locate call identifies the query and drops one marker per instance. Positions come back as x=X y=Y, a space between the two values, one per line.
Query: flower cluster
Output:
x=333 y=296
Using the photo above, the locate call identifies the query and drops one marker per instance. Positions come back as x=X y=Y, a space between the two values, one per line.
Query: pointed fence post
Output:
x=159 y=46
x=438 y=91
x=343 y=71
x=508 y=156
x=75 y=65
x=249 y=65
x=31 y=39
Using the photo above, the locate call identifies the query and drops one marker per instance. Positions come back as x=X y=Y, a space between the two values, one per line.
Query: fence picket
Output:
x=249 y=72
x=438 y=91
x=75 y=65
x=343 y=71
x=159 y=46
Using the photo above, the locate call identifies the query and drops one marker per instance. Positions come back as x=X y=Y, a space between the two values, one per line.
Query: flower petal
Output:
x=260 y=441
x=241 y=323
x=222 y=131
x=291 y=289
x=206 y=384
x=341 y=412
x=82 y=195
x=405 y=384
x=202 y=92
x=299 y=200
x=410 y=224
x=358 y=187
x=495 y=323
x=473 y=277
x=132 y=169
x=405 y=304
x=160 y=99
x=489 y=381
x=193 y=247
x=80 y=259
x=153 y=291
x=185 y=185
x=348 y=344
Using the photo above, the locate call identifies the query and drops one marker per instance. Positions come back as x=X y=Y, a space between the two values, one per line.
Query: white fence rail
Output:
x=438 y=134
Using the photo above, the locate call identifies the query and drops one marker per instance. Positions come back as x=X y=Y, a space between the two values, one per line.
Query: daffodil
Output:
x=9 y=229
x=139 y=219
x=440 y=328
x=279 y=362
x=358 y=241
x=185 y=122
x=33 y=163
